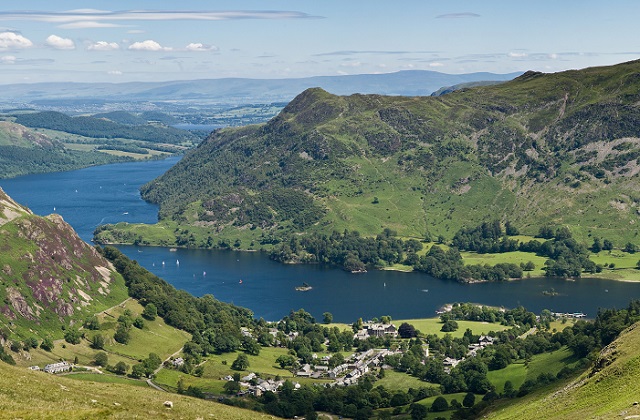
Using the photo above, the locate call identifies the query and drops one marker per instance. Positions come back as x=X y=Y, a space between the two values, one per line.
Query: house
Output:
x=58 y=367
x=177 y=362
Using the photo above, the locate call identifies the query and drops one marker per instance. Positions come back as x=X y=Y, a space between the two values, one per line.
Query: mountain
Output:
x=606 y=391
x=49 y=276
x=543 y=149
x=238 y=90
x=24 y=150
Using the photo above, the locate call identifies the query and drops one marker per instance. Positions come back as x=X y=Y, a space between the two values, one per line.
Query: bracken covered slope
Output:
x=48 y=275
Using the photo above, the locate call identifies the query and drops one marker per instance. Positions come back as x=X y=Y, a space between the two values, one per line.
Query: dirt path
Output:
x=155 y=372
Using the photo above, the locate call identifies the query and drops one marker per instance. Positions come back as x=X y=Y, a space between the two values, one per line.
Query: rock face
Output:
x=48 y=273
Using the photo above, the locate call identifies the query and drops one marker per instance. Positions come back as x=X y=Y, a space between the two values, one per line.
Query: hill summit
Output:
x=543 y=149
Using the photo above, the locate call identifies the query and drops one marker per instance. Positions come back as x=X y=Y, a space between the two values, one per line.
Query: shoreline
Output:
x=408 y=269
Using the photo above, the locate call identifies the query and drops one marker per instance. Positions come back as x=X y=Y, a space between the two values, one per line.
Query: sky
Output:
x=160 y=40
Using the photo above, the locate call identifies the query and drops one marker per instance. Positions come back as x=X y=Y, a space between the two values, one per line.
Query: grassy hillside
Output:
x=36 y=395
x=556 y=149
x=607 y=391
x=49 y=276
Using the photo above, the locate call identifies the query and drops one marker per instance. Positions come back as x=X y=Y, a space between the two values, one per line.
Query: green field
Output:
x=400 y=381
x=433 y=326
x=108 y=379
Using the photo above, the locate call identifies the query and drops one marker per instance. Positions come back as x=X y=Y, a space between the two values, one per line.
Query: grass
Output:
x=516 y=257
x=156 y=336
x=36 y=395
x=606 y=393
x=550 y=362
x=515 y=372
x=399 y=381
x=108 y=379
x=433 y=326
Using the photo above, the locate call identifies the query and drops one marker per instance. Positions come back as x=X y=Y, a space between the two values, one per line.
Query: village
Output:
x=355 y=367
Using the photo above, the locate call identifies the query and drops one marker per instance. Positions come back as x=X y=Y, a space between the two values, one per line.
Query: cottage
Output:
x=177 y=362
x=58 y=367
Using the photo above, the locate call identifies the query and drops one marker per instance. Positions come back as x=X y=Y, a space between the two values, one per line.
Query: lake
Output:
x=89 y=197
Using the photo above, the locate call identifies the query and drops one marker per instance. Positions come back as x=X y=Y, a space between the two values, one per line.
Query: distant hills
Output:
x=242 y=91
x=558 y=149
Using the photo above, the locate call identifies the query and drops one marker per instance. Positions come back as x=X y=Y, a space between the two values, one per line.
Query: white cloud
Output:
x=197 y=46
x=553 y=56
x=92 y=15
x=351 y=64
x=115 y=72
x=103 y=46
x=8 y=59
x=135 y=31
x=517 y=54
x=436 y=64
x=59 y=43
x=148 y=45
x=12 y=40
x=88 y=25
x=458 y=15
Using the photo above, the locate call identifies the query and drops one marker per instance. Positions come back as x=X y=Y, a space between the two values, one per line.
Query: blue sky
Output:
x=155 y=40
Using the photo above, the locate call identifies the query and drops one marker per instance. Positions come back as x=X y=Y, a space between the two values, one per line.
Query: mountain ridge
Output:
x=242 y=90
x=535 y=149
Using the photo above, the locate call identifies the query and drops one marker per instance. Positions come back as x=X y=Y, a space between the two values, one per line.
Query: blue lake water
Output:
x=89 y=197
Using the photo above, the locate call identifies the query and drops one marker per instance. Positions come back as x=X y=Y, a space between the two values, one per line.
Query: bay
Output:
x=89 y=197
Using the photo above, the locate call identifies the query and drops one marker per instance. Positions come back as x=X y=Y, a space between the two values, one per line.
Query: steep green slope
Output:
x=542 y=149
x=36 y=395
x=48 y=275
x=609 y=390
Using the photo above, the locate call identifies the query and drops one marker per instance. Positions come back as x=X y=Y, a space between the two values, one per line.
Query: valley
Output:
x=488 y=358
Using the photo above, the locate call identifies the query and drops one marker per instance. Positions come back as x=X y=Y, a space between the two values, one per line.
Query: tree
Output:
x=418 y=411
x=597 y=246
x=120 y=368
x=406 y=330
x=440 y=404
x=122 y=335
x=101 y=359
x=72 y=336
x=285 y=360
x=336 y=360
x=631 y=248
x=231 y=387
x=250 y=346
x=607 y=245
x=138 y=371
x=509 y=390
x=469 y=400
x=92 y=323
x=327 y=317
x=31 y=343
x=150 y=312
x=449 y=326
x=138 y=322
x=47 y=344
x=241 y=362
x=97 y=342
